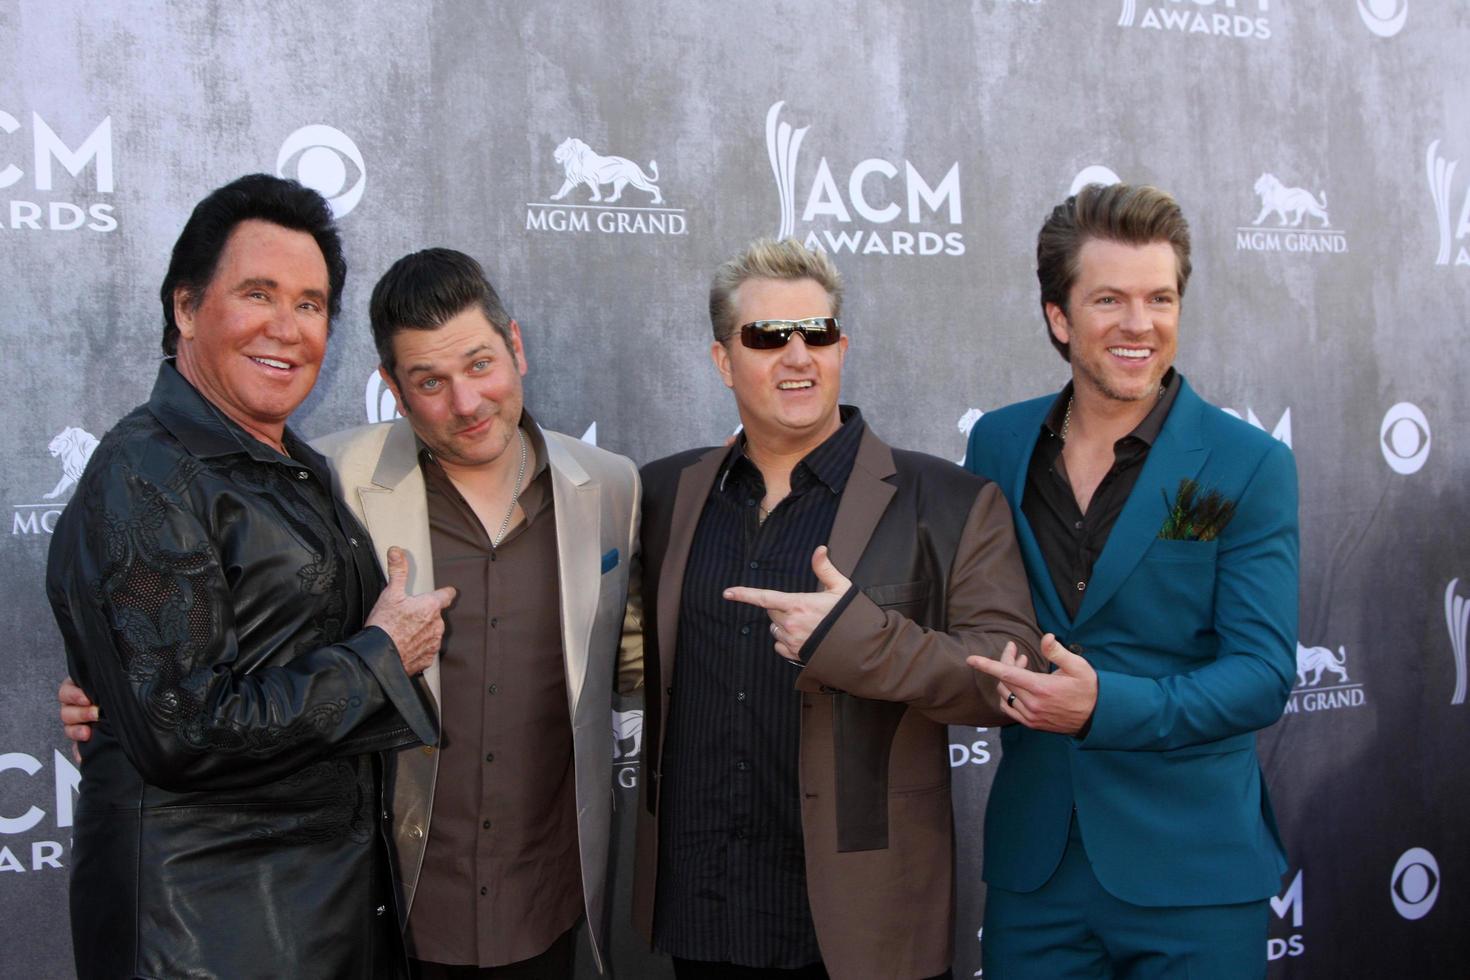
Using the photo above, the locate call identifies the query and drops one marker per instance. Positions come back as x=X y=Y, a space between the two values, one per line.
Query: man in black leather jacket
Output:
x=223 y=609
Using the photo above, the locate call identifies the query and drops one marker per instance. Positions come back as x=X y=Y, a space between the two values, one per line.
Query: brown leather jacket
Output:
x=933 y=552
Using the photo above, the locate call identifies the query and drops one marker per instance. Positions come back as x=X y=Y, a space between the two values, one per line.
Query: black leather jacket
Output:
x=211 y=594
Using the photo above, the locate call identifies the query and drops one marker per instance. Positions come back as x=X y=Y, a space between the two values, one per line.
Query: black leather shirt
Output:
x=210 y=593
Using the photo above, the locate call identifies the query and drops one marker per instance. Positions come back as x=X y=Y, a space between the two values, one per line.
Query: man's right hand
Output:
x=415 y=622
x=77 y=714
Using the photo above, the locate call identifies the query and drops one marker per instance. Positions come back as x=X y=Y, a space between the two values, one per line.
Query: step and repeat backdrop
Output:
x=601 y=164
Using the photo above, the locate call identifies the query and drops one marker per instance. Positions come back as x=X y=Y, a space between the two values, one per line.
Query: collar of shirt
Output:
x=1145 y=432
x=829 y=464
x=207 y=432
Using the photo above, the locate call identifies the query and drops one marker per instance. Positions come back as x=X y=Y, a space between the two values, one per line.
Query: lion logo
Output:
x=1277 y=198
x=1314 y=660
x=73 y=446
x=627 y=735
x=581 y=165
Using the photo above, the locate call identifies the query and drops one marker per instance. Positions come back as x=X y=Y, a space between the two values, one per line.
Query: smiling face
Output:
x=459 y=385
x=787 y=397
x=1122 y=319
x=254 y=342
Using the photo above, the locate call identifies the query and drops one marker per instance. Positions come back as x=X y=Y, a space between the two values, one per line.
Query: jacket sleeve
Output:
x=1245 y=687
x=145 y=609
x=883 y=655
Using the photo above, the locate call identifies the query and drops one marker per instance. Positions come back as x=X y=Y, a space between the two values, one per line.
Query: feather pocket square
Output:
x=609 y=561
x=1195 y=515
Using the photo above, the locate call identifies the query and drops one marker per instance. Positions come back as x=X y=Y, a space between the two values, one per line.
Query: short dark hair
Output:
x=1132 y=214
x=427 y=289
x=259 y=197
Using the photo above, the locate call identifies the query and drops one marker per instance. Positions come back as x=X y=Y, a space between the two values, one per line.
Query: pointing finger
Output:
x=765 y=598
x=445 y=596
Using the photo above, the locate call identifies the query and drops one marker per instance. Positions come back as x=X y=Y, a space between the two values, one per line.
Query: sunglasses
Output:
x=816 y=331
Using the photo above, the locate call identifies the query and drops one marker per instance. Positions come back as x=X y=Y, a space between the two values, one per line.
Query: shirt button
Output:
x=755 y=564
x=486 y=825
x=745 y=631
x=381 y=909
x=484 y=890
x=492 y=555
x=1078 y=525
x=300 y=474
x=494 y=621
x=1075 y=647
x=739 y=696
x=1081 y=586
x=742 y=765
x=489 y=756
x=494 y=689
x=352 y=541
x=668 y=690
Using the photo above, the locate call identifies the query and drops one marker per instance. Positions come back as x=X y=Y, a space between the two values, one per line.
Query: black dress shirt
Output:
x=731 y=879
x=1071 y=541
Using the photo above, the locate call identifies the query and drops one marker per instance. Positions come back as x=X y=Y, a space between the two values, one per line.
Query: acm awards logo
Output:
x=1291 y=219
x=592 y=188
x=1441 y=173
x=38 y=855
x=320 y=157
x=928 y=208
x=1289 y=909
x=38 y=205
x=71 y=448
x=1404 y=438
x=1414 y=885
x=1457 y=621
x=1242 y=19
x=1322 y=682
x=1384 y=17
x=972 y=753
x=627 y=743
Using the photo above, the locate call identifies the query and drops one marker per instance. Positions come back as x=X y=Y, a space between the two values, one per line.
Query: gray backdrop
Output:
x=1316 y=145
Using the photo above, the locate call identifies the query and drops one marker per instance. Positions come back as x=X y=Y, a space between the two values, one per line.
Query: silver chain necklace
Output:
x=515 y=494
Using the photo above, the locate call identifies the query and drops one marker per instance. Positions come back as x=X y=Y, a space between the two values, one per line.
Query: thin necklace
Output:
x=515 y=494
x=1067 y=420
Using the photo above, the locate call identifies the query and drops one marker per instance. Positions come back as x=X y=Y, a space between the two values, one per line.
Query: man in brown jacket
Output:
x=810 y=596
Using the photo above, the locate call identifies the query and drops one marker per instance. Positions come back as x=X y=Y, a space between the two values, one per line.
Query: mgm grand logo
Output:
x=590 y=198
x=72 y=447
x=627 y=741
x=1291 y=219
x=1322 y=682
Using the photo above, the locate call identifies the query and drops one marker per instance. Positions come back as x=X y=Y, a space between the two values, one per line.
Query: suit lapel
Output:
x=1177 y=454
x=1043 y=590
x=577 y=507
x=863 y=501
x=694 y=487
x=395 y=510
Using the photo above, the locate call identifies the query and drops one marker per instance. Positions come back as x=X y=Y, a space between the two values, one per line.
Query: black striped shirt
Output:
x=731 y=878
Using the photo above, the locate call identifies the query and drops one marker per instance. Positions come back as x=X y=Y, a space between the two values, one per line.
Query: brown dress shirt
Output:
x=501 y=878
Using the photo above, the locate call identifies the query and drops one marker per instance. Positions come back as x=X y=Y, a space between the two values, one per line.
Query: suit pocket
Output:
x=898 y=593
x=1186 y=551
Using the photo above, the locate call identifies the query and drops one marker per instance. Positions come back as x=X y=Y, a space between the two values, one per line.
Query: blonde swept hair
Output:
x=766 y=258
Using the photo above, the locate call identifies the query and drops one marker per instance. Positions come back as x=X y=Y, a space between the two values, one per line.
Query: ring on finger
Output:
x=776 y=629
x=1011 y=700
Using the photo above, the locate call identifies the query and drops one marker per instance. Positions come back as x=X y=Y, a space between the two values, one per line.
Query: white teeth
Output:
x=1129 y=352
x=272 y=362
x=793 y=385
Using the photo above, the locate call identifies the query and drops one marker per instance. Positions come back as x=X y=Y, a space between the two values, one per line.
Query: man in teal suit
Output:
x=1129 y=831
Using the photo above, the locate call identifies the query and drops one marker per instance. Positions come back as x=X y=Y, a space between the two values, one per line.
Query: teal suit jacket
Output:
x=1194 y=647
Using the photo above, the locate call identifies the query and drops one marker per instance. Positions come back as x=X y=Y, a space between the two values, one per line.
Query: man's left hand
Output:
x=794 y=615
x=1060 y=701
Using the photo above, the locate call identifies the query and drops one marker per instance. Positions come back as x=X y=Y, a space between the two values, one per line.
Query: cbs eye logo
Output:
x=1415 y=883
x=327 y=161
x=1404 y=438
x=1384 y=17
